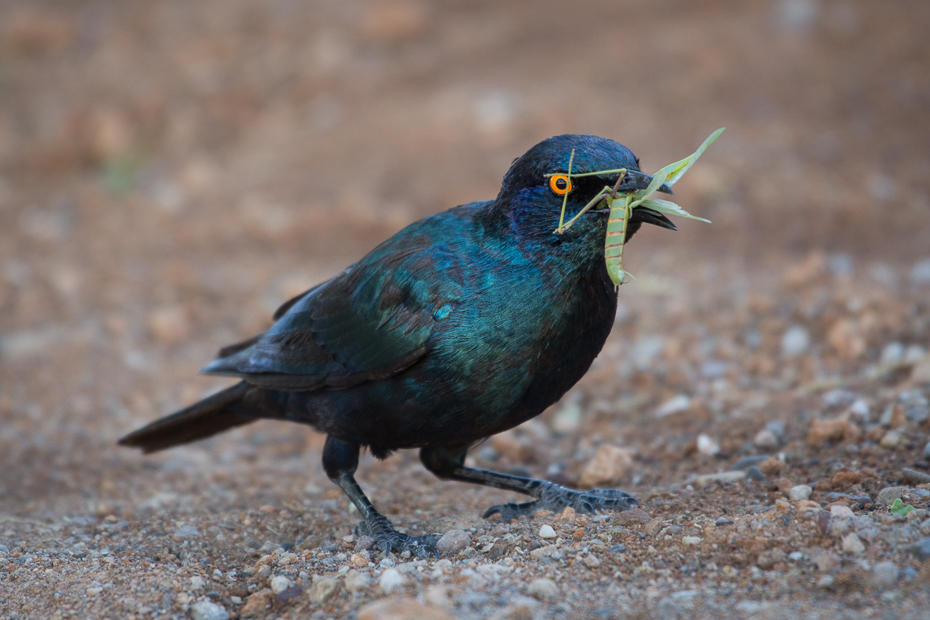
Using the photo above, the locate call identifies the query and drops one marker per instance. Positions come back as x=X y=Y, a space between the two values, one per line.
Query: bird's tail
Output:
x=210 y=416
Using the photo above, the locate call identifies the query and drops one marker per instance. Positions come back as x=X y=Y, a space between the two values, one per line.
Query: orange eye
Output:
x=560 y=184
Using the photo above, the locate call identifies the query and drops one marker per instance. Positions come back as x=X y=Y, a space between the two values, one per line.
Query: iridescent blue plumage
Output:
x=464 y=324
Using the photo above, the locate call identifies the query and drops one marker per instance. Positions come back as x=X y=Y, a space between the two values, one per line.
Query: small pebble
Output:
x=634 y=515
x=652 y=528
x=768 y=559
x=356 y=581
x=546 y=531
x=841 y=512
x=771 y=466
x=608 y=466
x=591 y=561
x=364 y=543
x=833 y=430
x=916 y=406
x=915 y=477
x=754 y=473
x=827 y=561
x=918 y=414
x=207 y=610
x=323 y=589
x=838 y=398
x=567 y=419
x=889 y=494
x=617 y=548
x=891 y=440
x=394 y=608
x=884 y=574
x=256 y=603
x=391 y=580
x=842 y=479
x=197 y=582
x=802 y=491
x=279 y=583
x=186 y=531
x=892 y=416
x=892 y=353
x=543 y=589
x=287 y=595
x=794 y=341
x=705 y=480
x=860 y=407
x=689 y=541
x=707 y=445
x=825 y=582
x=926 y=453
x=453 y=542
x=765 y=439
x=852 y=544
x=748 y=461
x=921 y=549
x=681 y=402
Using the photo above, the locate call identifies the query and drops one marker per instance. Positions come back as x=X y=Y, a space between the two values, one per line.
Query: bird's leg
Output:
x=449 y=464
x=340 y=460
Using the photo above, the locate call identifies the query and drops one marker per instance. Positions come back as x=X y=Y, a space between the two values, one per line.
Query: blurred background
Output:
x=170 y=172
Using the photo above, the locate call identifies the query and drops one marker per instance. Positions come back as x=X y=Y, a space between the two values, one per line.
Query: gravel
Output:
x=263 y=167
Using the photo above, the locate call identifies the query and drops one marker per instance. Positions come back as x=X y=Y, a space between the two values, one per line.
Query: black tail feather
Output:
x=210 y=416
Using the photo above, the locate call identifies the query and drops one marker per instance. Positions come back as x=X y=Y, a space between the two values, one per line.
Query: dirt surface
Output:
x=171 y=172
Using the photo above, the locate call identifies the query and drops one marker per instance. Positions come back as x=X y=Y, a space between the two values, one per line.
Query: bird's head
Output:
x=533 y=192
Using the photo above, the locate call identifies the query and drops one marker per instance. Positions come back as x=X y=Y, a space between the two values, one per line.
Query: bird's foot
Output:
x=388 y=540
x=556 y=498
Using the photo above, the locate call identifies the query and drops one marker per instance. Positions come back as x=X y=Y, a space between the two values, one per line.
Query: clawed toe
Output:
x=389 y=540
x=556 y=498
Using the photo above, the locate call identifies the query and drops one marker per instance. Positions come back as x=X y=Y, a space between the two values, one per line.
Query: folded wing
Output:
x=368 y=323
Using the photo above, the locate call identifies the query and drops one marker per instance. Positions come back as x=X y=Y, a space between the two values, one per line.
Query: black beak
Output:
x=647 y=215
x=635 y=180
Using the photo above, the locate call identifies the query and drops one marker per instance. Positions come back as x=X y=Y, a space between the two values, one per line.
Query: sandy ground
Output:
x=170 y=173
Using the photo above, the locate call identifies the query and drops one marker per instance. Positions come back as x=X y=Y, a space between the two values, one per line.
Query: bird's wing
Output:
x=370 y=322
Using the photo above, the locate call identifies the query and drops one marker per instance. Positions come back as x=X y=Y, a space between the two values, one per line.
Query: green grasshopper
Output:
x=621 y=204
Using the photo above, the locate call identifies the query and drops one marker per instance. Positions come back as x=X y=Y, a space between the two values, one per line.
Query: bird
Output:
x=462 y=325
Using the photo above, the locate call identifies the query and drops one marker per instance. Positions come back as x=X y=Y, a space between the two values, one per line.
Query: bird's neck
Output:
x=578 y=249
